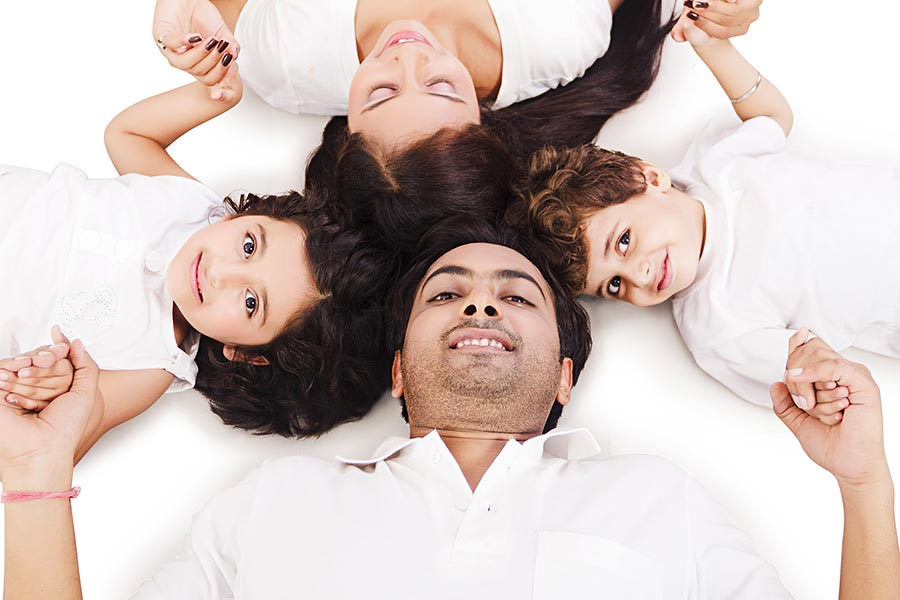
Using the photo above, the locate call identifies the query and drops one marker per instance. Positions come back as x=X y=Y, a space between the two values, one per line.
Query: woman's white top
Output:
x=790 y=242
x=90 y=255
x=300 y=55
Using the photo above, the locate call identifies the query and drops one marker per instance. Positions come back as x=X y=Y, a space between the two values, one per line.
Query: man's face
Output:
x=481 y=351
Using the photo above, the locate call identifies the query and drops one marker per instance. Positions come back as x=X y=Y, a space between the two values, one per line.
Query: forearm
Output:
x=40 y=556
x=137 y=138
x=870 y=564
x=737 y=76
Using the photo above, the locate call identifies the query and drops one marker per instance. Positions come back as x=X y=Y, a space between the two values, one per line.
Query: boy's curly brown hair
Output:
x=561 y=189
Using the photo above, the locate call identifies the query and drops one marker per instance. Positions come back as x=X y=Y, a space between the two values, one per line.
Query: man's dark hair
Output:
x=572 y=321
x=329 y=365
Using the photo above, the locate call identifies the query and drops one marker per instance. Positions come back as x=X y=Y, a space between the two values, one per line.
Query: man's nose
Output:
x=481 y=305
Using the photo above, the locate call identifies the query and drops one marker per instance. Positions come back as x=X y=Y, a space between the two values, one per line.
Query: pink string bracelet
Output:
x=8 y=497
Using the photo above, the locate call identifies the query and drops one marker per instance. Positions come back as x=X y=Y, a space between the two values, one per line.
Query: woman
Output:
x=417 y=79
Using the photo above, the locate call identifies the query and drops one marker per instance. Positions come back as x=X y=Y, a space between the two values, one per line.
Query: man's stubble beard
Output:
x=486 y=392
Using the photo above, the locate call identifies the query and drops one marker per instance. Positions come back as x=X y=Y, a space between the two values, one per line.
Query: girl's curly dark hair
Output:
x=330 y=364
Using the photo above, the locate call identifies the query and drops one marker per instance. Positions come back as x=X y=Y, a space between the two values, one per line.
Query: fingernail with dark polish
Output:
x=689 y=3
x=194 y=39
x=211 y=43
x=222 y=45
x=227 y=60
x=693 y=16
x=702 y=5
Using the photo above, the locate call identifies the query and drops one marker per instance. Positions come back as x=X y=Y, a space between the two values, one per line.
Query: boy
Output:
x=749 y=241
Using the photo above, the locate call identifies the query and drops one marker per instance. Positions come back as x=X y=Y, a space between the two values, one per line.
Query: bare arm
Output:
x=853 y=451
x=137 y=138
x=737 y=77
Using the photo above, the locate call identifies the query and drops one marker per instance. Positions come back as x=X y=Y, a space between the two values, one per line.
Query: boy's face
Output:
x=646 y=249
x=241 y=280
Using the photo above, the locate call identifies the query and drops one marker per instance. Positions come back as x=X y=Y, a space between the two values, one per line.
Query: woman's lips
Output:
x=667 y=274
x=195 y=278
x=404 y=37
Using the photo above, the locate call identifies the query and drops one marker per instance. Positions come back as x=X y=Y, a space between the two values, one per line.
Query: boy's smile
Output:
x=646 y=249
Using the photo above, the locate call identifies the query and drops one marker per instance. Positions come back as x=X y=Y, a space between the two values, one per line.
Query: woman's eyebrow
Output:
x=378 y=103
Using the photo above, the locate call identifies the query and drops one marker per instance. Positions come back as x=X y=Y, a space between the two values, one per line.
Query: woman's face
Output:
x=410 y=86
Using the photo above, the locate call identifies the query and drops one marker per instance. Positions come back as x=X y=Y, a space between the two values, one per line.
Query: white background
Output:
x=66 y=68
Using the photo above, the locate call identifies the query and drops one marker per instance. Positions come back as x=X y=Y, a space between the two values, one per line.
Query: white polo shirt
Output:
x=548 y=520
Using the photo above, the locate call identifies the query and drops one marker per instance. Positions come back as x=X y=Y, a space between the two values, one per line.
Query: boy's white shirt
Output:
x=91 y=256
x=790 y=242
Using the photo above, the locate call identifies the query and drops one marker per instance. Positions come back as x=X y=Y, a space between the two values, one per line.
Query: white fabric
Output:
x=790 y=242
x=548 y=520
x=91 y=255
x=300 y=55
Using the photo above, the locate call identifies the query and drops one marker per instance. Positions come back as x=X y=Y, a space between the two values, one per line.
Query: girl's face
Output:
x=241 y=280
x=410 y=86
x=646 y=249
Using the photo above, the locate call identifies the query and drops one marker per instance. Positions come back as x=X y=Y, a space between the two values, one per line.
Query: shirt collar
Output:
x=565 y=443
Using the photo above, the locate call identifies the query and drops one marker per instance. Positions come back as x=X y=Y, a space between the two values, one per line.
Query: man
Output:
x=476 y=502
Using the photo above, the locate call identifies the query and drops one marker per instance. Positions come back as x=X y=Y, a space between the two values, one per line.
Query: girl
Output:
x=751 y=242
x=143 y=272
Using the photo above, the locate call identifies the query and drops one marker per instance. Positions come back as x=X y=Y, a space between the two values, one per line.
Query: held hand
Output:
x=853 y=449
x=193 y=37
x=29 y=440
x=720 y=19
x=32 y=380
x=824 y=400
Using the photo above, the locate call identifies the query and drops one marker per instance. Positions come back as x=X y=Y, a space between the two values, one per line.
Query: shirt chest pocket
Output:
x=574 y=566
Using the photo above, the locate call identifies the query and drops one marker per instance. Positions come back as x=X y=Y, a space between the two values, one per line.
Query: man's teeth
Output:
x=481 y=342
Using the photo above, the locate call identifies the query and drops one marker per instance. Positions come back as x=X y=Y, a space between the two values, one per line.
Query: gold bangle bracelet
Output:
x=749 y=92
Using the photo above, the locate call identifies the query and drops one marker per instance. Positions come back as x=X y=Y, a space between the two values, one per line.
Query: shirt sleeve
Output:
x=719 y=143
x=749 y=364
x=207 y=564
x=727 y=565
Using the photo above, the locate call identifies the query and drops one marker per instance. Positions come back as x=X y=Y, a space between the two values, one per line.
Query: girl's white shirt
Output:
x=300 y=55
x=91 y=256
x=790 y=242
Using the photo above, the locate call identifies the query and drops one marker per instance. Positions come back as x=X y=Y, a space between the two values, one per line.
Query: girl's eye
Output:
x=613 y=287
x=622 y=246
x=250 y=303
x=441 y=86
x=249 y=246
x=443 y=296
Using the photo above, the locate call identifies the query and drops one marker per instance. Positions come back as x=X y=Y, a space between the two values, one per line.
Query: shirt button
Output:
x=154 y=262
x=435 y=457
x=462 y=505
x=124 y=249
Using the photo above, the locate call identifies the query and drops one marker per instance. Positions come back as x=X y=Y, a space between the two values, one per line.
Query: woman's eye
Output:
x=249 y=246
x=443 y=296
x=622 y=246
x=381 y=91
x=614 y=284
x=250 y=303
x=441 y=86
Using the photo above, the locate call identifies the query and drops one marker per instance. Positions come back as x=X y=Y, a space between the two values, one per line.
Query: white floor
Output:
x=68 y=67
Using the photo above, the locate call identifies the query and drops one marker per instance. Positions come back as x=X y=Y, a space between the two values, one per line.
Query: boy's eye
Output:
x=249 y=246
x=250 y=303
x=443 y=296
x=622 y=246
x=614 y=284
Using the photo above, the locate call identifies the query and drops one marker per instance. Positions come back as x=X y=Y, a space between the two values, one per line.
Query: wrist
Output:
x=877 y=482
x=44 y=473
